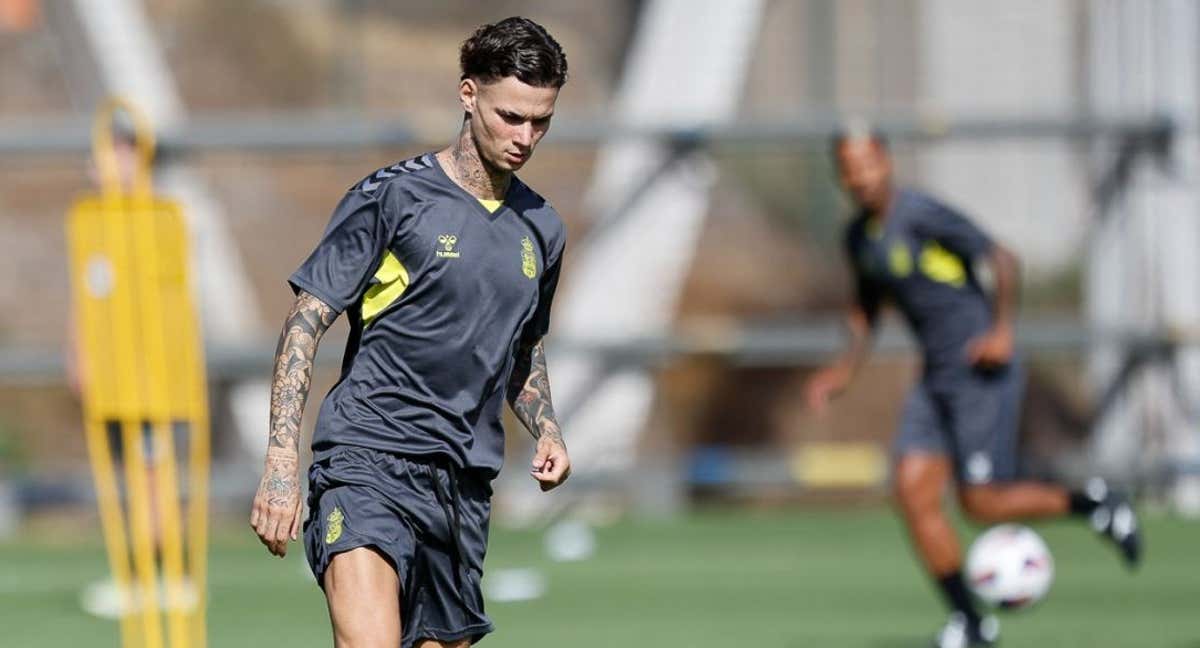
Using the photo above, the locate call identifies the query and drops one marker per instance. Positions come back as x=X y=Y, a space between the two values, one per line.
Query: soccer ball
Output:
x=1010 y=567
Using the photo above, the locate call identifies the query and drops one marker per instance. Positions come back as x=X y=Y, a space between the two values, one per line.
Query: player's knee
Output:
x=914 y=490
x=903 y=495
x=979 y=504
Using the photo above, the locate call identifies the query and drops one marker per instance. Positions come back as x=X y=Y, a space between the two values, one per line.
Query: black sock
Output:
x=1082 y=503
x=957 y=596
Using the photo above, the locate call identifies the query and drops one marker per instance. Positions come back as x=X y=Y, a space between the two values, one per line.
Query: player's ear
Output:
x=468 y=94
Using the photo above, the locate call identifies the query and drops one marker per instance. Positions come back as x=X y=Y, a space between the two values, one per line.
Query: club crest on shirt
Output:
x=446 y=243
x=900 y=260
x=528 y=260
x=334 y=530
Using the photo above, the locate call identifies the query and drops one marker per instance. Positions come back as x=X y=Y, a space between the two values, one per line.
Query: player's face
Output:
x=866 y=172
x=508 y=119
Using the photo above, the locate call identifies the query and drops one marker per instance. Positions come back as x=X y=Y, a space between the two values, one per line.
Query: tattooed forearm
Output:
x=308 y=321
x=529 y=393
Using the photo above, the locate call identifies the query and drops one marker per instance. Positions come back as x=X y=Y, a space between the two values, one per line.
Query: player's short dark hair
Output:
x=516 y=47
x=843 y=135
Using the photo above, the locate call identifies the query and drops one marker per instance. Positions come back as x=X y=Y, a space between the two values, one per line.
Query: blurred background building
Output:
x=689 y=156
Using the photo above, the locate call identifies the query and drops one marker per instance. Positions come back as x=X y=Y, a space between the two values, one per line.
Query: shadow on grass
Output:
x=916 y=641
x=911 y=641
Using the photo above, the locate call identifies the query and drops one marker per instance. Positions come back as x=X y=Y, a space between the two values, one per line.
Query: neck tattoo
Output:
x=465 y=167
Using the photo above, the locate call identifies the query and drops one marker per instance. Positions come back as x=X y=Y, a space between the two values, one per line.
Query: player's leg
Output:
x=986 y=411
x=363 y=594
x=991 y=503
x=920 y=484
x=359 y=548
x=454 y=512
x=921 y=480
x=923 y=472
x=1110 y=514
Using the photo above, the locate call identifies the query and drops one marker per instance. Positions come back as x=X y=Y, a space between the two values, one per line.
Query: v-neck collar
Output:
x=471 y=198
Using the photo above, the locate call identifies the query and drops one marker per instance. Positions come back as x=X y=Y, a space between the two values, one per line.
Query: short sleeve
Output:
x=953 y=231
x=868 y=293
x=339 y=268
x=540 y=325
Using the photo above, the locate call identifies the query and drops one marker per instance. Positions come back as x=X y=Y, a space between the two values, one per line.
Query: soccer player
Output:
x=446 y=265
x=960 y=421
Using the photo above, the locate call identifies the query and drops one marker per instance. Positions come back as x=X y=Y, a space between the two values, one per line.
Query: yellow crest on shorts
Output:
x=528 y=260
x=334 y=530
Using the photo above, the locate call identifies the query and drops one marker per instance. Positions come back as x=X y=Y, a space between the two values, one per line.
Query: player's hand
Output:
x=992 y=349
x=823 y=387
x=275 y=516
x=551 y=466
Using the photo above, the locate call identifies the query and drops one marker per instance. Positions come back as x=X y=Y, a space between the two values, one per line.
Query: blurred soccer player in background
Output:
x=446 y=265
x=961 y=419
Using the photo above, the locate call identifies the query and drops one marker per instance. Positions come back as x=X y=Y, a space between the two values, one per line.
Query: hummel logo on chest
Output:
x=446 y=243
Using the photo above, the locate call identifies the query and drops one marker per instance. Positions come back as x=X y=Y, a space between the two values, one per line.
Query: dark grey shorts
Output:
x=973 y=417
x=428 y=519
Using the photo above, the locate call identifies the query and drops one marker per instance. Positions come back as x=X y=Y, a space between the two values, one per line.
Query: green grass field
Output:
x=787 y=579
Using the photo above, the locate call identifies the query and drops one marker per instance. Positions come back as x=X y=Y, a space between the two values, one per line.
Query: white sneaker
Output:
x=958 y=633
x=1115 y=520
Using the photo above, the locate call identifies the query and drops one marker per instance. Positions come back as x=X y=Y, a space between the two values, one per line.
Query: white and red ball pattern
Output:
x=1009 y=566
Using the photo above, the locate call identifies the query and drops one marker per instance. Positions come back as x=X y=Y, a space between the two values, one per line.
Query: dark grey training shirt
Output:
x=439 y=292
x=921 y=256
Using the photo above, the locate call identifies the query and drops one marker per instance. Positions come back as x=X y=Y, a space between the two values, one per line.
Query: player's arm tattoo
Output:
x=529 y=393
x=281 y=481
x=306 y=323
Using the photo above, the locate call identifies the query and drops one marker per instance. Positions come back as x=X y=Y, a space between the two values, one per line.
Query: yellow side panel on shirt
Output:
x=941 y=265
x=899 y=260
x=393 y=280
